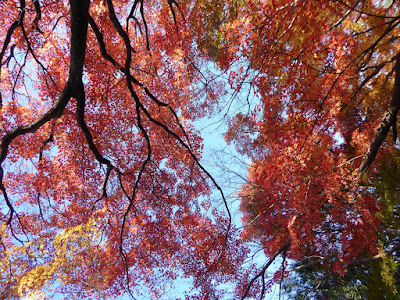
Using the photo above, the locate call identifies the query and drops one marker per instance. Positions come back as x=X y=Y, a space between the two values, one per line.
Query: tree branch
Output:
x=73 y=88
x=388 y=120
x=283 y=249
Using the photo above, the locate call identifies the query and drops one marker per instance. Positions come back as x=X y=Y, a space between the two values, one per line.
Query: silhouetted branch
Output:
x=261 y=274
x=79 y=15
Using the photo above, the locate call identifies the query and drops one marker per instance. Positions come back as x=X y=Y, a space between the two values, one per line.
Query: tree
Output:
x=328 y=76
x=103 y=192
x=100 y=165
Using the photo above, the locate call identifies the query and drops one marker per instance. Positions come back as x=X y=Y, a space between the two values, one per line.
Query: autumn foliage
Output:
x=103 y=189
x=100 y=171
x=328 y=77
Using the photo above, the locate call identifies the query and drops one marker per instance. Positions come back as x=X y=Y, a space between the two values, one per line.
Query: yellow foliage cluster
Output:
x=42 y=262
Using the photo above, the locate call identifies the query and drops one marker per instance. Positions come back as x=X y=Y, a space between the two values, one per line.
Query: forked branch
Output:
x=73 y=87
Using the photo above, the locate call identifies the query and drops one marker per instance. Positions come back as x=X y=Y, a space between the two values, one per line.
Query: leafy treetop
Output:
x=102 y=187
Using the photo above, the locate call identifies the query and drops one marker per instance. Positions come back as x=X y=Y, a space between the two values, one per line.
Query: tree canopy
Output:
x=103 y=190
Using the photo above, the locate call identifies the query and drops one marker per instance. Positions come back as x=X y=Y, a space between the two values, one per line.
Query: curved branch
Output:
x=170 y=132
x=140 y=107
x=133 y=80
x=79 y=13
x=11 y=29
x=146 y=29
x=121 y=32
x=80 y=117
x=38 y=12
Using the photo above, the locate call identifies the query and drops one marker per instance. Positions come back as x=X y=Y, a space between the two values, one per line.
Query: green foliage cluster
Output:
x=375 y=280
x=387 y=190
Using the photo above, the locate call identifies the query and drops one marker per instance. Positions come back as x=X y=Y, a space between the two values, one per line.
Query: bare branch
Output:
x=283 y=249
x=38 y=12
x=375 y=257
x=354 y=8
x=146 y=29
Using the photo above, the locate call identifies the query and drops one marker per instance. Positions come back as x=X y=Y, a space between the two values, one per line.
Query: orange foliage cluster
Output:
x=325 y=76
